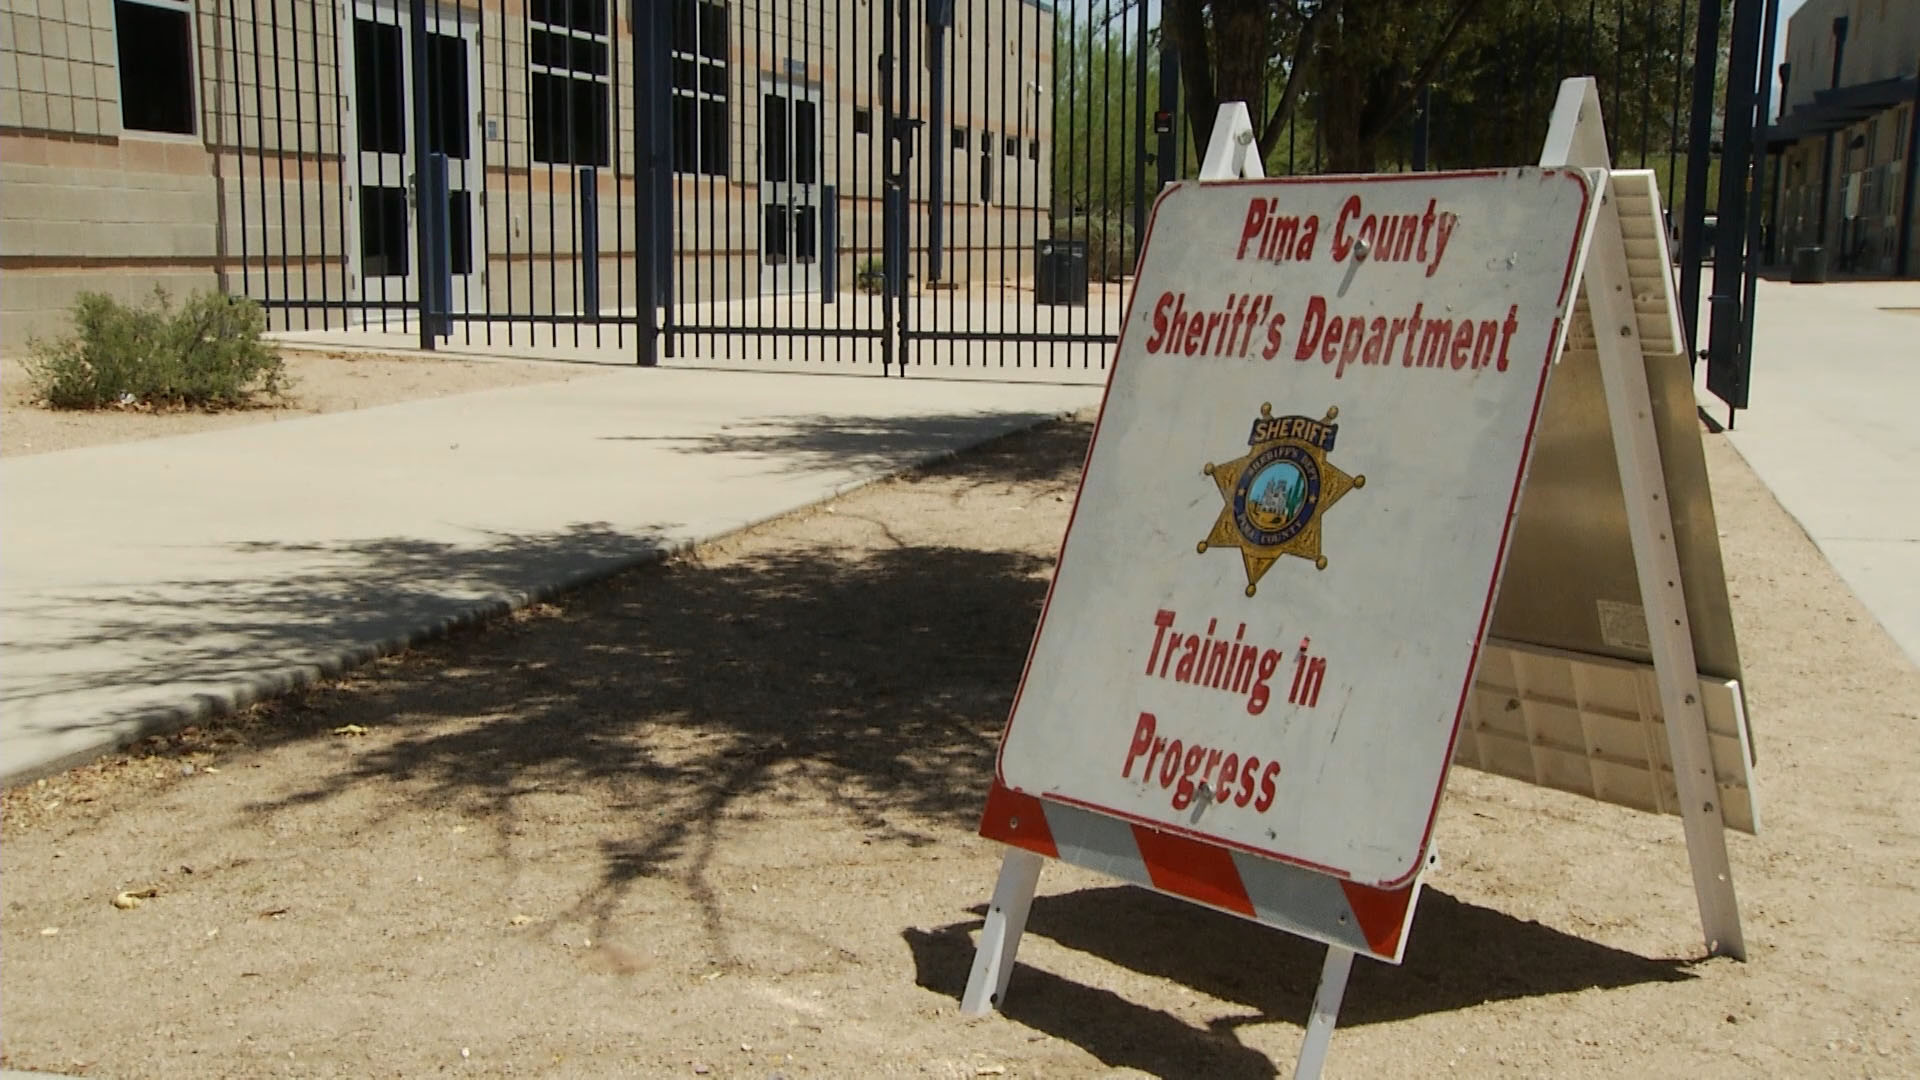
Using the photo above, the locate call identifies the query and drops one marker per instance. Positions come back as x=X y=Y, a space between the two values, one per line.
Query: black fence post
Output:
x=1139 y=126
x=436 y=260
x=939 y=18
x=1826 y=150
x=423 y=232
x=1720 y=377
x=590 y=242
x=1706 y=62
x=1166 y=120
x=892 y=178
x=1726 y=362
x=653 y=172
x=829 y=243
x=1422 y=127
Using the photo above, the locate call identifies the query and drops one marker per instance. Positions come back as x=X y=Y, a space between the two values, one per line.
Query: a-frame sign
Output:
x=1321 y=552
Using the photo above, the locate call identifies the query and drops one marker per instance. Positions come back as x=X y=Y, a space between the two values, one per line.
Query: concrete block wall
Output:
x=117 y=216
x=58 y=67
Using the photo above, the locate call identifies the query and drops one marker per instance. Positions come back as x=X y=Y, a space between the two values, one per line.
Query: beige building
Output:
x=1844 y=174
x=268 y=147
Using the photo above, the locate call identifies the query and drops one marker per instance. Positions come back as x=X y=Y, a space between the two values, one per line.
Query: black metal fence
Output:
x=900 y=185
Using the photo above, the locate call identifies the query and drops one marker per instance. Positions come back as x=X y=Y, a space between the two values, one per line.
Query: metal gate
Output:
x=894 y=186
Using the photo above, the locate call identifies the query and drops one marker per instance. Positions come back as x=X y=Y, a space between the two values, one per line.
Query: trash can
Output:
x=1060 y=273
x=1809 y=265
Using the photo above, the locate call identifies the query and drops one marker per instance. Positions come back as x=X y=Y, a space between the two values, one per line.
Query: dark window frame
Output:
x=702 y=116
x=154 y=108
x=580 y=79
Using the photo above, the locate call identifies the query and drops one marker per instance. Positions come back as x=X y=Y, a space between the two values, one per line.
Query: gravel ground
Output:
x=321 y=382
x=716 y=818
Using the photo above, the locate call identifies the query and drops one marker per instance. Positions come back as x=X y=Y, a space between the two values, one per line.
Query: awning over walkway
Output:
x=1832 y=110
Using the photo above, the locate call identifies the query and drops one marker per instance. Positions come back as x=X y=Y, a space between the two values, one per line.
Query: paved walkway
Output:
x=1834 y=431
x=147 y=579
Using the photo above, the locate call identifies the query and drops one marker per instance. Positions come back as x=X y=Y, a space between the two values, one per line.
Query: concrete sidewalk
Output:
x=152 y=581
x=1834 y=432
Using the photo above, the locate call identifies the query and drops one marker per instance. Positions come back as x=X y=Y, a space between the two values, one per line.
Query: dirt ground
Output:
x=716 y=818
x=321 y=382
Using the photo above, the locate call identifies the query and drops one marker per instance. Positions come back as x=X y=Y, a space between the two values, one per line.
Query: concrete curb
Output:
x=255 y=688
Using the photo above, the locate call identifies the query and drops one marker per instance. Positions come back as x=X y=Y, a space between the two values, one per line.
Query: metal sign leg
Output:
x=1000 y=938
x=1326 y=1013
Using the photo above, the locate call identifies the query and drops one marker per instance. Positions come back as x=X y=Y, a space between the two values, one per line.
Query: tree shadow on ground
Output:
x=360 y=597
x=1459 y=955
x=876 y=677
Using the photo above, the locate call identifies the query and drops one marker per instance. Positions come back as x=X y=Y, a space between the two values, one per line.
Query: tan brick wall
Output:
x=84 y=214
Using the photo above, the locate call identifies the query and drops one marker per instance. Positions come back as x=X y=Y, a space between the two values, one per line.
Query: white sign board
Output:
x=1281 y=564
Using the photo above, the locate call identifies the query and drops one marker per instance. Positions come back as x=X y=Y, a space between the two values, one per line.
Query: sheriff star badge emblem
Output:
x=1274 y=495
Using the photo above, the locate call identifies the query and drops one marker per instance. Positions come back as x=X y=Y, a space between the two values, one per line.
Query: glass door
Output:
x=790 y=181
x=384 y=186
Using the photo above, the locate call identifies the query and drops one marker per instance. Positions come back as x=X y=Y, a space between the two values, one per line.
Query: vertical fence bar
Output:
x=1706 y=53
x=1747 y=86
x=235 y=143
x=564 y=103
x=1673 y=119
x=509 y=226
x=1764 y=90
x=736 y=259
x=1139 y=127
x=889 y=207
x=300 y=145
x=280 y=165
x=590 y=247
x=533 y=288
x=614 y=42
x=571 y=160
x=979 y=39
x=342 y=174
x=651 y=51
x=260 y=157
x=1649 y=30
x=485 y=267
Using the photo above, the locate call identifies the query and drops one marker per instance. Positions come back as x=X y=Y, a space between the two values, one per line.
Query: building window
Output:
x=155 y=40
x=959 y=138
x=569 y=57
x=1013 y=146
x=700 y=87
x=1033 y=149
x=863 y=121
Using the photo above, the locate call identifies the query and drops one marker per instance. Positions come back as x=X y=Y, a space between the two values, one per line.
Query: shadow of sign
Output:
x=1460 y=955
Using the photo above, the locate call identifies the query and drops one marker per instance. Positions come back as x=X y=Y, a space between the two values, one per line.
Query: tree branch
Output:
x=1303 y=48
x=1428 y=67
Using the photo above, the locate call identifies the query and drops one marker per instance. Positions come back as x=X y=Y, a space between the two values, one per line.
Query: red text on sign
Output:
x=1186 y=769
x=1233 y=665
x=1420 y=341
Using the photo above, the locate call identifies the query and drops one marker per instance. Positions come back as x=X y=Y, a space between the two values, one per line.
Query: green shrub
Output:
x=871 y=276
x=1110 y=243
x=208 y=354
